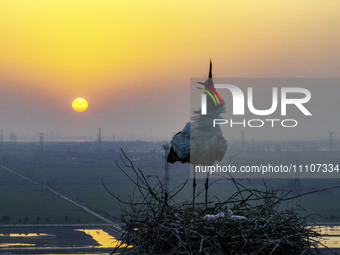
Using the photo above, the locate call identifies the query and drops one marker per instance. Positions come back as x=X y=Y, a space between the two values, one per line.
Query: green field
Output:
x=77 y=170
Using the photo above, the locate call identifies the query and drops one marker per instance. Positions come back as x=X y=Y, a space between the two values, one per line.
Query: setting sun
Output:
x=79 y=104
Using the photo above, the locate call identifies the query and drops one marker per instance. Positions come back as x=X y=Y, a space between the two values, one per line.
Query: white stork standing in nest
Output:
x=207 y=142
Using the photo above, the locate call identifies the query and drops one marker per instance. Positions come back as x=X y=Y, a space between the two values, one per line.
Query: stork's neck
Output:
x=210 y=80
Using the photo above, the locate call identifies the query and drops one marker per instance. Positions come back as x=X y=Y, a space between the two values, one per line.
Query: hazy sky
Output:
x=133 y=60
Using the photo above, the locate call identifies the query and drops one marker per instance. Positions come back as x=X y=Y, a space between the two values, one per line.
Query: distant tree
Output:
x=66 y=218
x=26 y=219
x=37 y=218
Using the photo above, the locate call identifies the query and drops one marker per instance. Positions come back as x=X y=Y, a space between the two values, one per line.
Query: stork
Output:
x=199 y=143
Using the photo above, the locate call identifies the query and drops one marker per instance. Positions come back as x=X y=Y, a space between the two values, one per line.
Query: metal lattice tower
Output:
x=166 y=148
x=242 y=138
x=331 y=139
x=41 y=140
x=99 y=137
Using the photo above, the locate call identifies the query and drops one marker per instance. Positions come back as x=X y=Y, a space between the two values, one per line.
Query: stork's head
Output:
x=211 y=88
x=215 y=104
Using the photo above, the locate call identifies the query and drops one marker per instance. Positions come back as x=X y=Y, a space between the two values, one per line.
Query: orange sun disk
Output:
x=79 y=104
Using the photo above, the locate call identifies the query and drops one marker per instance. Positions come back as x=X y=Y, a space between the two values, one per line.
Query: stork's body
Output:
x=199 y=142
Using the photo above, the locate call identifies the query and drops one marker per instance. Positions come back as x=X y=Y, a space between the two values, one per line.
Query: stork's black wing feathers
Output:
x=173 y=157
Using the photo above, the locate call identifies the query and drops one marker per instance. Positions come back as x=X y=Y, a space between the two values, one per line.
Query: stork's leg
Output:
x=193 y=190
x=206 y=190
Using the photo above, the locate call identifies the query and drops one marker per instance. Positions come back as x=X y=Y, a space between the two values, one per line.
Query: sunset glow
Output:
x=146 y=51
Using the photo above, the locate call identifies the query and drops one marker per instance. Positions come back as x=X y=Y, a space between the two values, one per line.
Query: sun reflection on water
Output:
x=3 y=245
x=102 y=238
x=330 y=235
x=25 y=235
x=16 y=244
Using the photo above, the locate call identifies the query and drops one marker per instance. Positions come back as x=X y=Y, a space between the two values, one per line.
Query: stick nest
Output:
x=153 y=222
